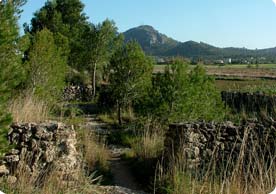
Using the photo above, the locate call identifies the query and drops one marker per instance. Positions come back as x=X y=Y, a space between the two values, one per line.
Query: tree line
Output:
x=61 y=45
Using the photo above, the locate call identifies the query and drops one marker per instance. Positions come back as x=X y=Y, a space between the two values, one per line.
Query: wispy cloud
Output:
x=274 y=1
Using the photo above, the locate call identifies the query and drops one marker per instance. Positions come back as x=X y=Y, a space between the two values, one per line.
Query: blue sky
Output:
x=223 y=23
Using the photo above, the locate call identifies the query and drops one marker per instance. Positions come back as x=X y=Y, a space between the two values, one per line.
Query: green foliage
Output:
x=75 y=77
x=130 y=75
x=11 y=72
x=120 y=137
x=203 y=100
x=46 y=67
x=100 y=42
x=87 y=46
x=66 y=20
x=180 y=94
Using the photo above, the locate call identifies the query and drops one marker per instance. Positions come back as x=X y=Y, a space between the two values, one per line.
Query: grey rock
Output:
x=42 y=148
x=13 y=152
x=11 y=158
x=197 y=152
x=50 y=155
x=43 y=134
x=27 y=136
x=205 y=141
x=11 y=180
x=4 y=170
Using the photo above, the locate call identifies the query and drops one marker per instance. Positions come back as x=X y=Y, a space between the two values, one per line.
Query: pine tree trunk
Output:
x=94 y=80
x=119 y=114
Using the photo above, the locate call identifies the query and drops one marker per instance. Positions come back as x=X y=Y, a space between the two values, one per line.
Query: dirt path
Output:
x=122 y=176
x=121 y=173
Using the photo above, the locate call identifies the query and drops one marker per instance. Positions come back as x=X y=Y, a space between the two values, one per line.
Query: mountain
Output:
x=192 y=49
x=152 y=42
x=157 y=44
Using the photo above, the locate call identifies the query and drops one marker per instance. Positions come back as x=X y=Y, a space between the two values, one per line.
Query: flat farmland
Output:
x=262 y=66
x=238 y=72
x=266 y=71
x=250 y=85
x=240 y=77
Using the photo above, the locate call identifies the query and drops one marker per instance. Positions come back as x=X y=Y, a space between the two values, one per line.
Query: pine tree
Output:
x=46 y=67
x=66 y=20
x=100 y=43
x=11 y=71
x=181 y=94
x=130 y=75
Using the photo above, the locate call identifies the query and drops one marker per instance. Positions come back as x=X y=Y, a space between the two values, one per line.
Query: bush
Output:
x=46 y=67
x=73 y=77
x=180 y=94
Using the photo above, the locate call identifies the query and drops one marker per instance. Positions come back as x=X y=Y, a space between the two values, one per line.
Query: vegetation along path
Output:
x=120 y=170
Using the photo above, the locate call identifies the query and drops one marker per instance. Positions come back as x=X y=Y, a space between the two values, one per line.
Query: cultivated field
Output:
x=242 y=66
x=243 y=71
x=240 y=77
x=238 y=72
x=247 y=85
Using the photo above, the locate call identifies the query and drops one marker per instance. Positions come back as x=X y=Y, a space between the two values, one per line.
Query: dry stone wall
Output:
x=201 y=142
x=80 y=93
x=40 y=149
x=250 y=102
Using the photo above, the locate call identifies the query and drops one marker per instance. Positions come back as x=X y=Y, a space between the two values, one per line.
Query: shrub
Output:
x=180 y=94
x=74 y=77
x=46 y=67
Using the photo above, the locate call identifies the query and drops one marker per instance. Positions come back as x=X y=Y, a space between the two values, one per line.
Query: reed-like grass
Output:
x=149 y=144
x=252 y=172
x=28 y=108
x=94 y=156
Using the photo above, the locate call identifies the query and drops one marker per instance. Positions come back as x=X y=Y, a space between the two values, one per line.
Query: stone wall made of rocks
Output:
x=79 y=93
x=250 y=102
x=39 y=149
x=199 y=142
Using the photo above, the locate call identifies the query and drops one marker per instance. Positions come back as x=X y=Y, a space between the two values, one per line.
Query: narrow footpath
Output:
x=121 y=173
x=124 y=181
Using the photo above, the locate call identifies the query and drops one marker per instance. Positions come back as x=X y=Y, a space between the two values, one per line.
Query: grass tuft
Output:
x=28 y=109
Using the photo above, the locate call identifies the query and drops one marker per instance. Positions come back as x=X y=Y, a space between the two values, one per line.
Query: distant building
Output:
x=219 y=62
x=160 y=61
x=229 y=60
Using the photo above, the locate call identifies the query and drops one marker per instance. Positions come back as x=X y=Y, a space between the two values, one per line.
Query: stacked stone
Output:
x=250 y=102
x=40 y=149
x=78 y=93
x=199 y=142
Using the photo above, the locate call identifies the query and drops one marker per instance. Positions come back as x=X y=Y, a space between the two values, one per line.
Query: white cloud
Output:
x=274 y=1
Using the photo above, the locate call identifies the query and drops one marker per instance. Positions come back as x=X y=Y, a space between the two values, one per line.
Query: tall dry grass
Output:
x=149 y=144
x=94 y=154
x=53 y=184
x=28 y=108
x=252 y=172
x=94 y=151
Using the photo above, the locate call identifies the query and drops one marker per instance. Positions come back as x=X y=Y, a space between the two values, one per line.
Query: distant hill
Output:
x=157 y=44
x=152 y=42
